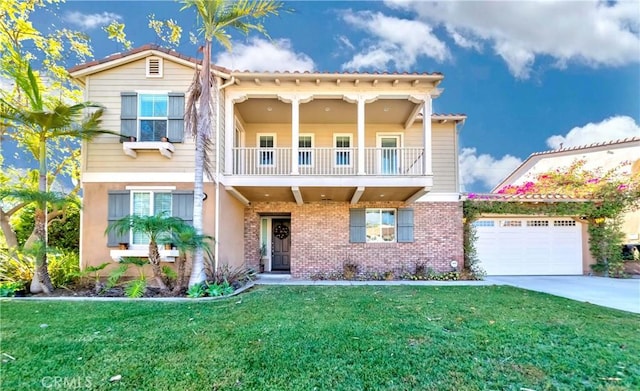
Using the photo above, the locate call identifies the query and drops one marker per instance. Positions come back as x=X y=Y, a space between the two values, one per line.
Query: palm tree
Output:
x=156 y=227
x=42 y=120
x=185 y=238
x=216 y=18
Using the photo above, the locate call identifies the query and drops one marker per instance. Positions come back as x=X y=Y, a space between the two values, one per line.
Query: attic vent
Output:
x=154 y=67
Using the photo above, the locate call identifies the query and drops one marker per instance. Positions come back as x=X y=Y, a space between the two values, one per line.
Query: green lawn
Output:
x=324 y=338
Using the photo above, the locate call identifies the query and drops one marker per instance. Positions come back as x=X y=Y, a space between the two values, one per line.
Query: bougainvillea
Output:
x=602 y=197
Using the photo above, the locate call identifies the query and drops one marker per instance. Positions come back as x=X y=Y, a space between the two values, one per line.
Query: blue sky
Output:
x=529 y=75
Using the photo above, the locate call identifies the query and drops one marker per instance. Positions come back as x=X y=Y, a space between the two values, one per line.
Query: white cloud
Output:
x=610 y=129
x=396 y=41
x=594 y=32
x=261 y=55
x=344 y=41
x=484 y=168
x=90 y=21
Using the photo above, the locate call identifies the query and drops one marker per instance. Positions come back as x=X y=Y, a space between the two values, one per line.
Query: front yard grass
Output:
x=324 y=338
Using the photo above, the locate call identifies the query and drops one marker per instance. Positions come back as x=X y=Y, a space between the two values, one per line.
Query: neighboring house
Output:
x=531 y=245
x=316 y=168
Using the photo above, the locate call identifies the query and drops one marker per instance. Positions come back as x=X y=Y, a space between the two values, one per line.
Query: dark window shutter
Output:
x=176 y=117
x=405 y=225
x=357 y=226
x=183 y=206
x=118 y=208
x=128 y=115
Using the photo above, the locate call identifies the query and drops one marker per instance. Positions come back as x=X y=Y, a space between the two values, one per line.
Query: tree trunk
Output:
x=154 y=260
x=181 y=265
x=41 y=281
x=202 y=133
x=9 y=235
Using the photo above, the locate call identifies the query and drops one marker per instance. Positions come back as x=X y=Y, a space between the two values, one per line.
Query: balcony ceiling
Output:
x=333 y=111
x=325 y=194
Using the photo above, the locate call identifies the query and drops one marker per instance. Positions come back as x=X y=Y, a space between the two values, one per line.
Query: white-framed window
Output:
x=148 y=203
x=389 y=150
x=266 y=149
x=380 y=225
x=153 y=116
x=305 y=149
x=342 y=143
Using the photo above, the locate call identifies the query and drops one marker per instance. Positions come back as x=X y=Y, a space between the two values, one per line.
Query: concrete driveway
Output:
x=621 y=294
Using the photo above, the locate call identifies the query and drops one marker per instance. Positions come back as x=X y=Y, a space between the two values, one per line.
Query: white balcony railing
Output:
x=328 y=161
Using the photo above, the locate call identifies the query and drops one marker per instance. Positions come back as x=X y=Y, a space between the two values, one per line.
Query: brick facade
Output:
x=320 y=238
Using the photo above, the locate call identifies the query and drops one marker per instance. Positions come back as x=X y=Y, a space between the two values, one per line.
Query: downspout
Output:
x=217 y=207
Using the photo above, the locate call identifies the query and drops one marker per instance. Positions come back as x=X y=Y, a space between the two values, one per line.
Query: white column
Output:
x=229 y=134
x=295 y=133
x=361 y=165
x=426 y=135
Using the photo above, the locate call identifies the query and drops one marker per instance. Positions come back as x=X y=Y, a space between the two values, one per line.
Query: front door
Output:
x=281 y=245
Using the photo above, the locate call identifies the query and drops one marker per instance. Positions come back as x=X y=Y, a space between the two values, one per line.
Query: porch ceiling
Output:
x=318 y=194
x=262 y=110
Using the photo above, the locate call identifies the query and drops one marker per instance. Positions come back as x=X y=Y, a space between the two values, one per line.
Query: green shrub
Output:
x=9 y=288
x=196 y=291
x=64 y=268
x=16 y=267
x=135 y=288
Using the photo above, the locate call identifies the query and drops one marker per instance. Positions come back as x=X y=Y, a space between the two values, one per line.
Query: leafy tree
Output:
x=39 y=120
x=216 y=18
x=63 y=231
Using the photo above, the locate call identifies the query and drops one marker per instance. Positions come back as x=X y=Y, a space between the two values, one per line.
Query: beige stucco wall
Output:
x=231 y=233
x=93 y=245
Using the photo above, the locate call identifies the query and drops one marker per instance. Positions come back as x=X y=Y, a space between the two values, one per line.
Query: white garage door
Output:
x=529 y=246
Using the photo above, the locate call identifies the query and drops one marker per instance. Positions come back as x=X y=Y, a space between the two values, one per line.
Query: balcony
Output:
x=328 y=162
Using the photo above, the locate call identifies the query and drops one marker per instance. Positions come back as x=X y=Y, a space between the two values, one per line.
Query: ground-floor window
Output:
x=148 y=203
x=381 y=225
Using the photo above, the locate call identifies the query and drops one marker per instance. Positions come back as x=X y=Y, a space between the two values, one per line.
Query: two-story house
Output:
x=315 y=169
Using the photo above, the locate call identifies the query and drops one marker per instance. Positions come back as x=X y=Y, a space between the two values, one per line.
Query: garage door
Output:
x=531 y=246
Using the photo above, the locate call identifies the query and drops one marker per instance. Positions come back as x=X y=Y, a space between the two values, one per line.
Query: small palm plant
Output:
x=187 y=240
x=155 y=227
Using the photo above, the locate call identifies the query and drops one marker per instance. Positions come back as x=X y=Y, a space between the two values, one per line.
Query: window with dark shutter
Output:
x=405 y=225
x=128 y=115
x=118 y=207
x=357 y=226
x=183 y=205
x=175 y=131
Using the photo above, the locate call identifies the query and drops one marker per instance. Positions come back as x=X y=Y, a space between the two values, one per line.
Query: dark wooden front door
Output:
x=281 y=245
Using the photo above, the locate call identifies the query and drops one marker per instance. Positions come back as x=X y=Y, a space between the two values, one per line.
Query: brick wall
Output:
x=320 y=238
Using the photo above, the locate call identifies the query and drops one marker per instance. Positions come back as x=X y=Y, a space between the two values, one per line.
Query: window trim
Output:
x=348 y=150
x=395 y=225
x=308 y=150
x=260 y=149
x=152 y=192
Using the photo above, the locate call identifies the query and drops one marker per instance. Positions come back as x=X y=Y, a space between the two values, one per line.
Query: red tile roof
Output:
x=194 y=60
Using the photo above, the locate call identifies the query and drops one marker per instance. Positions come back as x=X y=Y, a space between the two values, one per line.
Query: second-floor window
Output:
x=150 y=116
x=342 y=144
x=305 y=153
x=266 y=143
x=153 y=116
